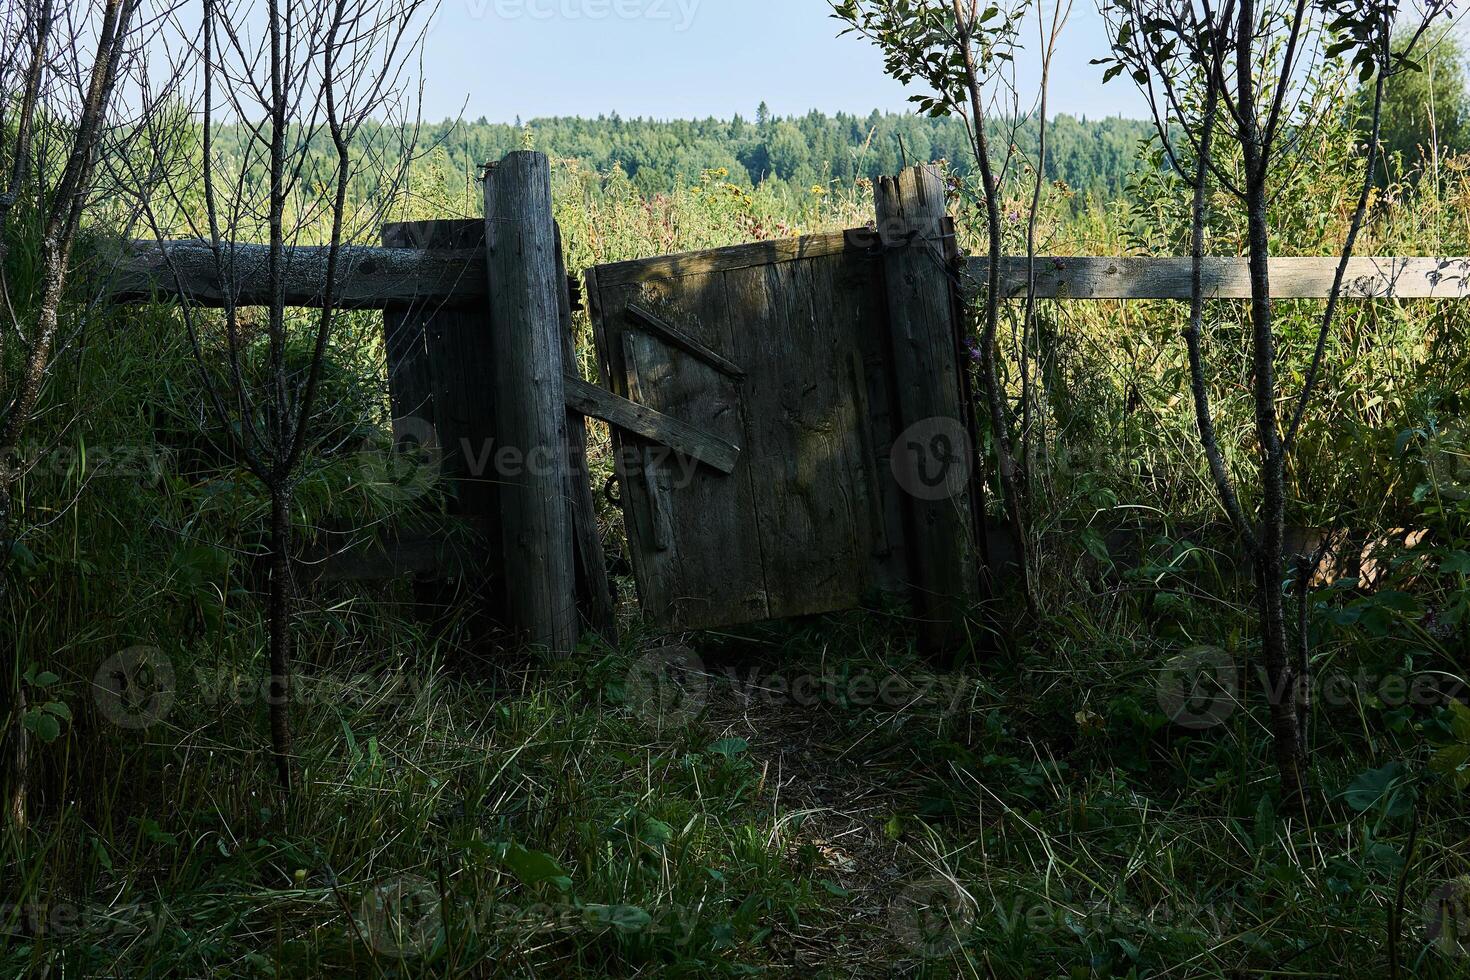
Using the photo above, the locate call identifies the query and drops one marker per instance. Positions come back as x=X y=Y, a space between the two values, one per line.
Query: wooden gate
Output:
x=789 y=352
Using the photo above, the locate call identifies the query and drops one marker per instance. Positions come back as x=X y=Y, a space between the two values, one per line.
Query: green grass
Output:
x=554 y=819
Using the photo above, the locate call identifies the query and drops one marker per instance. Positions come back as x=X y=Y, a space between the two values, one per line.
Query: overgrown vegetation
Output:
x=820 y=798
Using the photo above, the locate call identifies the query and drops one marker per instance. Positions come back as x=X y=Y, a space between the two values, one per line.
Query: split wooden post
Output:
x=530 y=462
x=936 y=425
x=594 y=588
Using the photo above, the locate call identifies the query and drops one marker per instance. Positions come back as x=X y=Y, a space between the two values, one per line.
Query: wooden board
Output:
x=1087 y=277
x=368 y=278
x=379 y=278
x=806 y=521
x=814 y=495
x=696 y=562
x=733 y=257
x=438 y=360
x=594 y=588
x=640 y=420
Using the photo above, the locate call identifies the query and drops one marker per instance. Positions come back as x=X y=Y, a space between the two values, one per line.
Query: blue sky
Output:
x=693 y=58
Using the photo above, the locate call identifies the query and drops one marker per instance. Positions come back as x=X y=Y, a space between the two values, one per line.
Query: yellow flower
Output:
x=818 y=190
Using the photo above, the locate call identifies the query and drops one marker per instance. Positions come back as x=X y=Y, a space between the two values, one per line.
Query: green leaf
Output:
x=834 y=888
x=1097 y=545
x=893 y=829
x=534 y=867
x=1460 y=721
x=655 y=833
x=1265 y=828
x=23 y=556
x=729 y=747
x=156 y=834
x=628 y=918
x=58 y=709
x=99 y=851
x=45 y=726
x=1387 y=786
x=1451 y=761
x=1456 y=563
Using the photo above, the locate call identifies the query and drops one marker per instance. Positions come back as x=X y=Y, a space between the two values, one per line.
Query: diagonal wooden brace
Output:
x=599 y=403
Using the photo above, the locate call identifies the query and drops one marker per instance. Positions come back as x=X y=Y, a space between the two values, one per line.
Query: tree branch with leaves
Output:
x=1240 y=70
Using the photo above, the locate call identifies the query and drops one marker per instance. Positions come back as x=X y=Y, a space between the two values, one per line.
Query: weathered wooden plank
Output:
x=879 y=421
x=815 y=497
x=368 y=278
x=593 y=585
x=708 y=571
x=437 y=360
x=733 y=257
x=378 y=278
x=684 y=342
x=657 y=483
x=599 y=403
x=943 y=543
x=530 y=400
x=1140 y=277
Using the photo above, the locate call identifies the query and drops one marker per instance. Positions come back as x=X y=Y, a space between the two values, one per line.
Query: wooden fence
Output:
x=478 y=335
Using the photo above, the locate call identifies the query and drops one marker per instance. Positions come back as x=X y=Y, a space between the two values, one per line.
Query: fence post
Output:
x=934 y=458
x=530 y=401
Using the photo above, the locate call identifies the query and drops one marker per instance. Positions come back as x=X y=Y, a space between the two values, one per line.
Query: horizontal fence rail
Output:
x=383 y=278
x=1087 y=277
x=368 y=278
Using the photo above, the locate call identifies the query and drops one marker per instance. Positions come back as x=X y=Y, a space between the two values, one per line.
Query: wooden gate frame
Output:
x=908 y=270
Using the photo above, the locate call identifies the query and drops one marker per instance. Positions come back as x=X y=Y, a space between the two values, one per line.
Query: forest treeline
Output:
x=793 y=157
x=795 y=154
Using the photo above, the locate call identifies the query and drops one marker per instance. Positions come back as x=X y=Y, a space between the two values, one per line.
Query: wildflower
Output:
x=819 y=190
